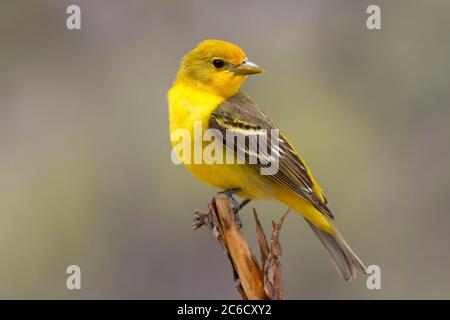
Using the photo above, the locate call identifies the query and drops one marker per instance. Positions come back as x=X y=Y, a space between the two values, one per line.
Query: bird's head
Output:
x=216 y=66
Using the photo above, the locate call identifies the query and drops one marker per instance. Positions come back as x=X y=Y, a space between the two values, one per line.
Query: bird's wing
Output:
x=241 y=116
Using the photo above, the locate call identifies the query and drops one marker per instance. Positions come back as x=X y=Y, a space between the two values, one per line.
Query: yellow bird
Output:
x=207 y=91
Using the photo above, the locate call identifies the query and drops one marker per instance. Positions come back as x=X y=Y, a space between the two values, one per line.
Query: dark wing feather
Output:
x=241 y=115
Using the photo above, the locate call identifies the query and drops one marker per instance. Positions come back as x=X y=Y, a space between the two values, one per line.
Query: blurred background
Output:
x=85 y=170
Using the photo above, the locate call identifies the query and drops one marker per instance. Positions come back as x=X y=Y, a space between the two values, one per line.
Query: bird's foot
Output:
x=235 y=205
x=229 y=193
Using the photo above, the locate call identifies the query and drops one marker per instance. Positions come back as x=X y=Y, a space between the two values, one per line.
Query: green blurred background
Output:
x=85 y=170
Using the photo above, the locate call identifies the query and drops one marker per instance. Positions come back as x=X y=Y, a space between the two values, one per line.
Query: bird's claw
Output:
x=236 y=206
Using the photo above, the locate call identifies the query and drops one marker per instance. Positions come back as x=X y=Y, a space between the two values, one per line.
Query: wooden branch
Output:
x=254 y=282
x=273 y=279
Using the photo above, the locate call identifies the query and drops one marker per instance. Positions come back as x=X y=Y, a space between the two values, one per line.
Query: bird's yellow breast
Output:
x=188 y=105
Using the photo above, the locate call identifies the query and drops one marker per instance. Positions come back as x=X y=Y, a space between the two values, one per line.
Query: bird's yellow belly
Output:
x=231 y=176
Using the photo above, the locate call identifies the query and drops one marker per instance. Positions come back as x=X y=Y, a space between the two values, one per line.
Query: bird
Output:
x=207 y=91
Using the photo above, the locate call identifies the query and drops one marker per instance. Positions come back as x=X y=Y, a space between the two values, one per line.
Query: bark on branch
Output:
x=255 y=281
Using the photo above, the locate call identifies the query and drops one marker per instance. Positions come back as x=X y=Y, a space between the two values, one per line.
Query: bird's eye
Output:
x=218 y=63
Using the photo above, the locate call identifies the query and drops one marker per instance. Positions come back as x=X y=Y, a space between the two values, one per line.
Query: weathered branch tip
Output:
x=254 y=282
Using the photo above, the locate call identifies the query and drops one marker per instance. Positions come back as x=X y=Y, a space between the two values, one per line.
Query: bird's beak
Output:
x=247 y=68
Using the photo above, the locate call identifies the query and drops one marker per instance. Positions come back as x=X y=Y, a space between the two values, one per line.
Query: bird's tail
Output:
x=343 y=257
